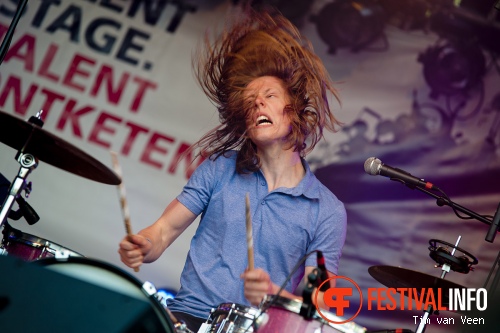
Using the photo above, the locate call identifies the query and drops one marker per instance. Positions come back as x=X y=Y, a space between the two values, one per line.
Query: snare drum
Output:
x=233 y=318
x=29 y=247
x=284 y=316
x=109 y=277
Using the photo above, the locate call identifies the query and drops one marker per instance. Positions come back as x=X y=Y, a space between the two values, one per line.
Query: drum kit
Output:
x=275 y=314
x=33 y=144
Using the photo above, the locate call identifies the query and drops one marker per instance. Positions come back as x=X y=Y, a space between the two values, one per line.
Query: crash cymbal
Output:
x=14 y=132
x=397 y=277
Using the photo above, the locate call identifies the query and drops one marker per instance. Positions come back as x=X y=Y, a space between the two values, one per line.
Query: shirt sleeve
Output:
x=197 y=192
x=330 y=235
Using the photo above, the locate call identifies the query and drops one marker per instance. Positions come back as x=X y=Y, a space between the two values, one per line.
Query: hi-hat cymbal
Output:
x=14 y=132
x=397 y=277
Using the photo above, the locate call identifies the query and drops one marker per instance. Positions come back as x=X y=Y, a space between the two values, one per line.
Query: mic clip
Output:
x=307 y=310
x=25 y=210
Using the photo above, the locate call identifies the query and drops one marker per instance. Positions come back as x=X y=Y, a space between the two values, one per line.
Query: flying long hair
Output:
x=255 y=44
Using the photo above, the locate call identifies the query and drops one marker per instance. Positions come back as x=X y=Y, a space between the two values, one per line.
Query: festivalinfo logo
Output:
x=344 y=299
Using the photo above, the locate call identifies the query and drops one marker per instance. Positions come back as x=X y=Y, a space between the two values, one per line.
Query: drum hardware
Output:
x=314 y=280
x=34 y=144
x=447 y=260
x=25 y=210
x=29 y=247
x=307 y=308
x=62 y=254
x=233 y=318
x=396 y=277
x=179 y=326
x=28 y=163
x=283 y=315
x=107 y=277
x=150 y=289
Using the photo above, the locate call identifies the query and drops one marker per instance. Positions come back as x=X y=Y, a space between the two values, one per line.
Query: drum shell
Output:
x=284 y=316
x=30 y=247
x=39 y=298
x=232 y=318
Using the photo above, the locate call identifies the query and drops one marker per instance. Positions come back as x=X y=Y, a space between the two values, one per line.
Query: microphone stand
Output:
x=441 y=201
x=308 y=309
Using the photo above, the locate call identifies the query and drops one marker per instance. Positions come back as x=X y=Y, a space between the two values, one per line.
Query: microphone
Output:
x=27 y=211
x=323 y=275
x=374 y=167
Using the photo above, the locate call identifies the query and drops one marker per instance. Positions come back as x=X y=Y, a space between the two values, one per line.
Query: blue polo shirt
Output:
x=287 y=223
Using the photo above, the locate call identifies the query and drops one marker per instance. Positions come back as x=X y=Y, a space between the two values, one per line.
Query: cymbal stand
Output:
x=28 y=163
x=490 y=237
x=445 y=269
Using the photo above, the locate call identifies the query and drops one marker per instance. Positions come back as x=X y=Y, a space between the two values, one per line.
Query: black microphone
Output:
x=323 y=275
x=28 y=212
x=374 y=167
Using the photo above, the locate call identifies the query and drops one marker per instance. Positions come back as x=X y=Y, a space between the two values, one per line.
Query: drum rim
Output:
x=31 y=240
x=253 y=311
x=277 y=300
x=86 y=260
x=286 y=303
x=154 y=302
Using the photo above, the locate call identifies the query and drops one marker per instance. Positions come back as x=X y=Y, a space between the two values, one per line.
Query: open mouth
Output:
x=263 y=120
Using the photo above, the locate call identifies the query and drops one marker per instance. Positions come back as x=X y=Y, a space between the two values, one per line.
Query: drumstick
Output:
x=123 y=197
x=249 y=233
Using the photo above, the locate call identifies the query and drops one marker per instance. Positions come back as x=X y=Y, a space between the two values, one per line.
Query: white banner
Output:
x=116 y=76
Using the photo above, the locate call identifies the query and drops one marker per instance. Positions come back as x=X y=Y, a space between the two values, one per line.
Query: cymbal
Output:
x=14 y=132
x=397 y=277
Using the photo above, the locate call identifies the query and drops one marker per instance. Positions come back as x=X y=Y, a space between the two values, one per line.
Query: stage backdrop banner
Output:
x=116 y=76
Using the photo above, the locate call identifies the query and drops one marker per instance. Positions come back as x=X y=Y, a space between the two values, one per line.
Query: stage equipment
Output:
x=443 y=256
x=275 y=314
x=350 y=24
x=284 y=316
x=76 y=295
x=30 y=247
x=453 y=67
x=447 y=260
x=34 y=144
x=294 y=10
x=396 y=277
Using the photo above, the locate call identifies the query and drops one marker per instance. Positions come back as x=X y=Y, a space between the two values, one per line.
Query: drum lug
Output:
x=62 y=254
x=149 y=288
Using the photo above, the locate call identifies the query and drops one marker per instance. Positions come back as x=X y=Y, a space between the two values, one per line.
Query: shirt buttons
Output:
x=263 y=202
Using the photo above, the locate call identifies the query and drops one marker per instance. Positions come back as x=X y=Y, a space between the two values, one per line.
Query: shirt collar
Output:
x=308 y=186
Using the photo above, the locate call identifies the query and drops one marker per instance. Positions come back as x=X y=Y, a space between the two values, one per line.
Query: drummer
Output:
x=272 y=93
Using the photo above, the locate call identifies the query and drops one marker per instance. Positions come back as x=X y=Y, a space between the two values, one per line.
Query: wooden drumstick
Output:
x=249 y=233
x=123 y=197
